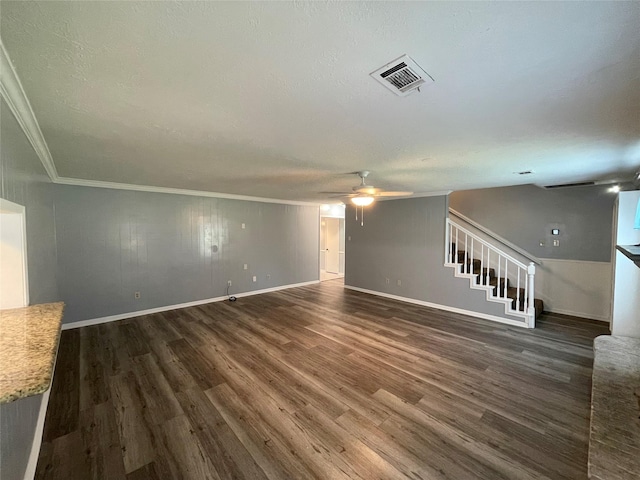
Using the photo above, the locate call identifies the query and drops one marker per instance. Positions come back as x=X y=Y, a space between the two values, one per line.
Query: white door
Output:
x=332 y=252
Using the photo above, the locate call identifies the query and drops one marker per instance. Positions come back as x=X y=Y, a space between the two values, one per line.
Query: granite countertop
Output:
x=614 y=441
x=28 y=344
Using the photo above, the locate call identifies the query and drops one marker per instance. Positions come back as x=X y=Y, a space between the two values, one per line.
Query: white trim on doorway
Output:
x=11 y=208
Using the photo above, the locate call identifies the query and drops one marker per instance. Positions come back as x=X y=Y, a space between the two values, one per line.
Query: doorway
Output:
x=331 y=242
x=14 y=286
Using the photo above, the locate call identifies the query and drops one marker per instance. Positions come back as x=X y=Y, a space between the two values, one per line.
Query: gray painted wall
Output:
x=404 y=240
x=18 y=421
x=174 y=249
x=23 y=180
x=525 y=215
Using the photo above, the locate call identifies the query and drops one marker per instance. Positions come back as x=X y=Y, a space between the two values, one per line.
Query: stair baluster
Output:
x=506 y=276
x=488 y=263
x=481 y=263
x=518 y=292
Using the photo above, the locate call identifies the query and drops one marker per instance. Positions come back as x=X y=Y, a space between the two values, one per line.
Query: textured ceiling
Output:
x=275 y=100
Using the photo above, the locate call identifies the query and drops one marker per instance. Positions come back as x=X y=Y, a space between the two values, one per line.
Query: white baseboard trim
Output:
x=483 y=316
x=588 y=316
x=123 y=316
x=30 y=472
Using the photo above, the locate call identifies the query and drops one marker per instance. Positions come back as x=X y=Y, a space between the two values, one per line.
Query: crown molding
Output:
x=175 y=191
x=16 y=98
x=13 y=93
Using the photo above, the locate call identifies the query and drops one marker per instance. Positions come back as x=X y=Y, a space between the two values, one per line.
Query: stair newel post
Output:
x=531 y=309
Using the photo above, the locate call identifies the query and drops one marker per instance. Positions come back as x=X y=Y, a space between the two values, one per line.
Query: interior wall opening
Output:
x=14 y=291
x=332 y=242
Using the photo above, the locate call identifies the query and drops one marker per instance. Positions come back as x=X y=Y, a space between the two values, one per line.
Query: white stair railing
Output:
x=489 y=267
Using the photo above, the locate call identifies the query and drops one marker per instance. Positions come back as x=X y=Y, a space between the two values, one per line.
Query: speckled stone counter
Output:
x=614 y=441
x=28 y=343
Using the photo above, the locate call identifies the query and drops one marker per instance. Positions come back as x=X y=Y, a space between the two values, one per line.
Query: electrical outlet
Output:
x=228 y=283
x=268 y=276
x=243 y=226
x=387 y=280
x=556 y=243
x=255 y=279
x=136 y=295
x=245 y=266
x=399 y=283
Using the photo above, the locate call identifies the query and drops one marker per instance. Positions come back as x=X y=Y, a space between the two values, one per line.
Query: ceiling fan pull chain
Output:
x=356 y=213
x=361 y=217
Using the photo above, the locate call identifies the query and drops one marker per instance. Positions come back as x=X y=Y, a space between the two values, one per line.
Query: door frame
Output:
x=336 y=211
x=11 y=208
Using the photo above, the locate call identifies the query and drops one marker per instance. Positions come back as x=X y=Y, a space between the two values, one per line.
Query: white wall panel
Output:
x=626 y=308
x=574 y=287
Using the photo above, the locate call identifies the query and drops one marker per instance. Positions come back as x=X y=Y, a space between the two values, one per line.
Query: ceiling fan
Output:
x=364 y=194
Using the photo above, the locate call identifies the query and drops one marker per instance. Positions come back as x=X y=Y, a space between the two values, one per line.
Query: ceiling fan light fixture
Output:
x=362 y=201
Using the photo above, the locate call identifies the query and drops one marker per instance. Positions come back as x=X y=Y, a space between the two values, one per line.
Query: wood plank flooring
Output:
x=320 y=383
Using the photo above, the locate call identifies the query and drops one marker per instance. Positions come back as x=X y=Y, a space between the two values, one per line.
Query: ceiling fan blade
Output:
x=394 y=194
x=367 y=190
x=339 y=194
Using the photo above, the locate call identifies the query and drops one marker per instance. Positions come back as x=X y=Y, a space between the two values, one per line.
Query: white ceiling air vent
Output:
x=402 y=76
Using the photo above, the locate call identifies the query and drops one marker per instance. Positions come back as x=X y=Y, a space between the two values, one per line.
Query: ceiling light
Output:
x=615 y=189
x=362 y=201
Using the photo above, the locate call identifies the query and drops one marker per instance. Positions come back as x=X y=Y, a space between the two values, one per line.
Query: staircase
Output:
x=505 y=279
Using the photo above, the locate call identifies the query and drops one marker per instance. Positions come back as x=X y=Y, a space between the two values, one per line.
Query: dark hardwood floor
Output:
x=320 y=382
